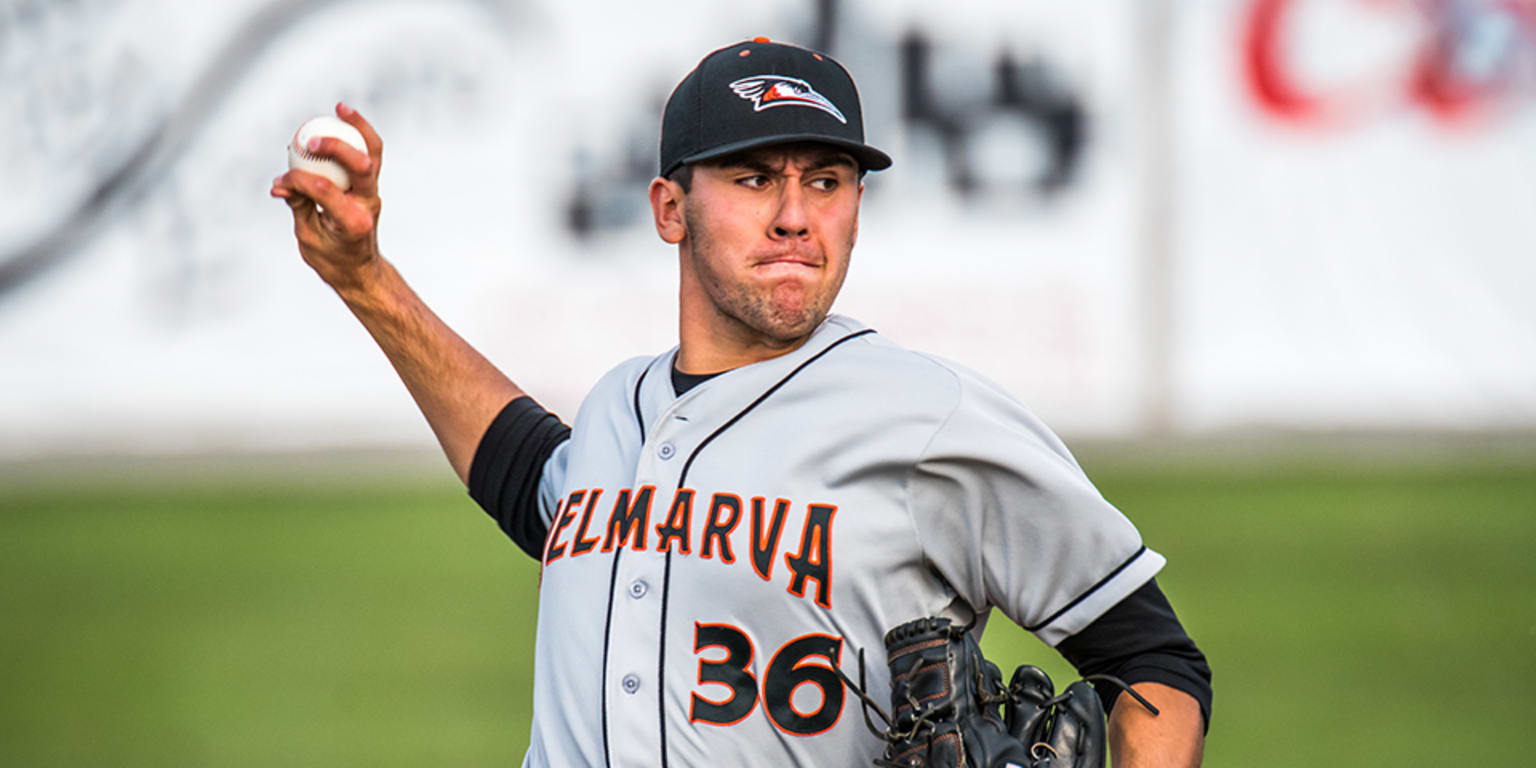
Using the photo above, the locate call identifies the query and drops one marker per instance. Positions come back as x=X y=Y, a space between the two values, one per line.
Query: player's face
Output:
x=768 y=238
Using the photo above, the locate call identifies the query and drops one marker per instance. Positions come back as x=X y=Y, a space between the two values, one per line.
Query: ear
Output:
x=857 y=206
x=667 y=209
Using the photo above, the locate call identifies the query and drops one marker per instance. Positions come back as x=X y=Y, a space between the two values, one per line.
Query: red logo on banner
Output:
x=1468 y=59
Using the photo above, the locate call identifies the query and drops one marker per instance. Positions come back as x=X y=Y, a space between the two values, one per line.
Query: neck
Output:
x=710 y=341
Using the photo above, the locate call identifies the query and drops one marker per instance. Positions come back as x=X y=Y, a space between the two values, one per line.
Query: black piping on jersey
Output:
x=682 y=480
x=661 y=655
x=613 y=578
x=1085 y=594
x=640 y=421
x=683 y=477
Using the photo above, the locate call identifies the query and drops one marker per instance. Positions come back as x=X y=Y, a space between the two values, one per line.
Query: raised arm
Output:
x=457 y=389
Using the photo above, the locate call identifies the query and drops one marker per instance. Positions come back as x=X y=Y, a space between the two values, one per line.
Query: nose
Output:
x=791 y=220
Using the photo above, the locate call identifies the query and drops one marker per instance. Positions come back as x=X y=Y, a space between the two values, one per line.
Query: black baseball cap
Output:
x=756 y=93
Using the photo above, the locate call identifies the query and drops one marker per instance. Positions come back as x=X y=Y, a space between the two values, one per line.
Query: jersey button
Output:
x=631 y=683
x=638 y=588
x=666 y=451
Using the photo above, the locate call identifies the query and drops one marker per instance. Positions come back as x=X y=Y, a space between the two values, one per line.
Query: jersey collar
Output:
x=721 y=398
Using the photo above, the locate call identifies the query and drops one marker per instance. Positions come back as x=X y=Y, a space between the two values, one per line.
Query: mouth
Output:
x=789 y=260
x=798 y=270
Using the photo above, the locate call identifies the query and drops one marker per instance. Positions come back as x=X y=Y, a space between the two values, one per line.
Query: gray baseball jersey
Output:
x=710 y=556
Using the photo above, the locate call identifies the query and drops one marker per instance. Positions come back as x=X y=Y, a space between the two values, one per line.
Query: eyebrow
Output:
x=824 y=160
x=832 y=160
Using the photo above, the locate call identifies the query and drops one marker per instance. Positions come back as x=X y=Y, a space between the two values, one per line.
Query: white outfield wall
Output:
x=1244 y=266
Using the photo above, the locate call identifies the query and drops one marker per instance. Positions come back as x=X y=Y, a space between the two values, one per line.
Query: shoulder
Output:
x=869 y=365
x=979 y=409
x=623 y=377
x=612 y=397
x=897 y=371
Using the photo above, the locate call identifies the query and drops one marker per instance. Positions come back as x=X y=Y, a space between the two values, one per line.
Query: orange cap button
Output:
x=761 y=40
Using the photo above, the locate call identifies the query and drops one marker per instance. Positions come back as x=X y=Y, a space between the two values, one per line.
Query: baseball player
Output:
x=725 y=523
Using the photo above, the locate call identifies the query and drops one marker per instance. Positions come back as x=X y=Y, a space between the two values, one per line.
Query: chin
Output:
x=790 y=326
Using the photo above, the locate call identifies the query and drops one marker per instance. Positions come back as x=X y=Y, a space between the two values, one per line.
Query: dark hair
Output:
x=683 y=176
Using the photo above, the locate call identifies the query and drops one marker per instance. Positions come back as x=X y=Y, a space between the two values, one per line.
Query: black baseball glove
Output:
x=950 y=709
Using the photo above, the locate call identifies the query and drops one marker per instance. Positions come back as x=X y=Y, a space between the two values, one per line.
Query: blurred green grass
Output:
x=1354 y=615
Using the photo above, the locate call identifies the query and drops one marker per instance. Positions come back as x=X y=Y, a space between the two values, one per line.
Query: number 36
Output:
x=787 y=670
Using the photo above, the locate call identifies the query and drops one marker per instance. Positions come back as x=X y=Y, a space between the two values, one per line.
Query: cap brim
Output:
x=868 y=158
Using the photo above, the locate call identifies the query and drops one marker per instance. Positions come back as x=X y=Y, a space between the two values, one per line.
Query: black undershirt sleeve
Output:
x=1140 y=640
x=504 y=475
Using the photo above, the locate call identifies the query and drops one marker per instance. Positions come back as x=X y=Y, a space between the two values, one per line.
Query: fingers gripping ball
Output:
x=300 y=158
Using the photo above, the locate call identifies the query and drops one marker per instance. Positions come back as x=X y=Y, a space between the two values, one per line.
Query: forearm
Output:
x=1175 y=738
x=457 y=389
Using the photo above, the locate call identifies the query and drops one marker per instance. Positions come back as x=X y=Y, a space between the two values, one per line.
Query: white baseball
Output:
x=299 y=157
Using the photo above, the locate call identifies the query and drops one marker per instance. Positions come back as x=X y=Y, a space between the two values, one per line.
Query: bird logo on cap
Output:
x=766 y=91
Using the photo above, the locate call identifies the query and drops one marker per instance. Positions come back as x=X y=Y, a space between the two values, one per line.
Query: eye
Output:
x=824 y=183
x=754 y=181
